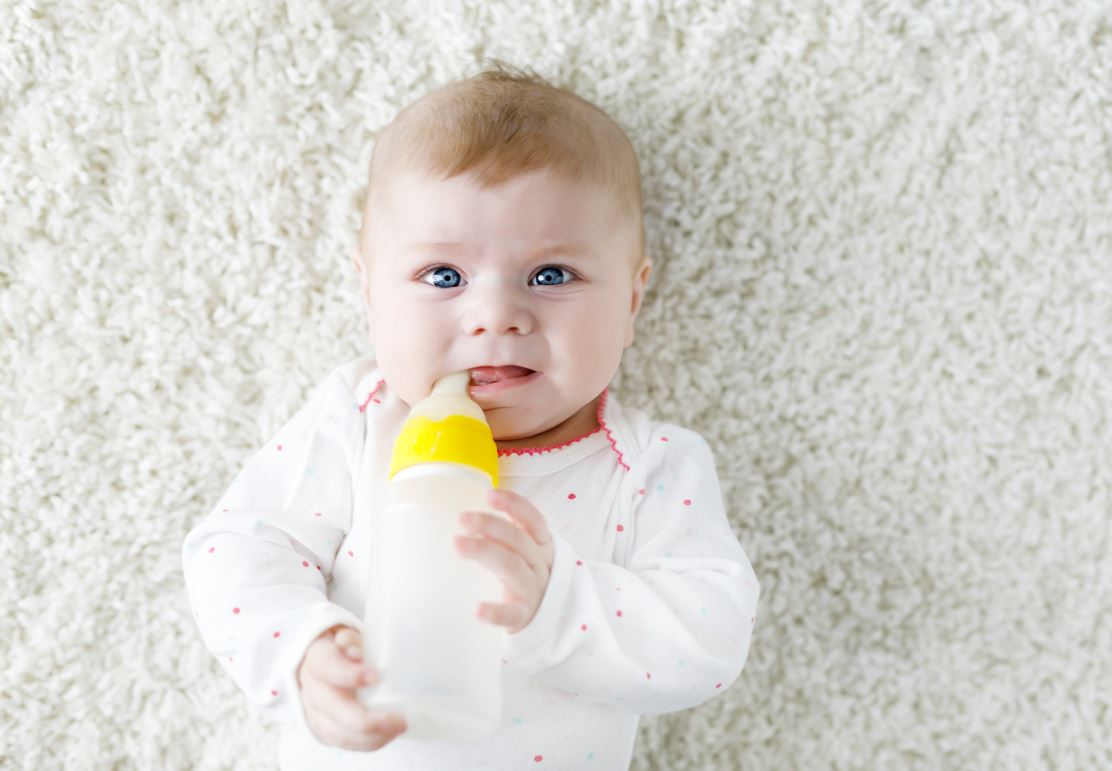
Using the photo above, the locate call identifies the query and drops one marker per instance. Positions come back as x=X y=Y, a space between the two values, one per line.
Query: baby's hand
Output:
x=329 y=675
x=519 y=552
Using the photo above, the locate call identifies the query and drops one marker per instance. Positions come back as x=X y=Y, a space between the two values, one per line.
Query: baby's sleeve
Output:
x=668 y=629
x=257 y=567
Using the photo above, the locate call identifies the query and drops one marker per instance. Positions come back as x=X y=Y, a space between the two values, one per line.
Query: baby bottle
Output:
x=440 y=665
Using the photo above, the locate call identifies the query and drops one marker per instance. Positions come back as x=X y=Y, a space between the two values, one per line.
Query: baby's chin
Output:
x=511 y=430
x=508 y=431
x=504 y=428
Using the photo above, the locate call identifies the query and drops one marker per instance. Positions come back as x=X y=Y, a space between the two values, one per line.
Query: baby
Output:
x=502 y=234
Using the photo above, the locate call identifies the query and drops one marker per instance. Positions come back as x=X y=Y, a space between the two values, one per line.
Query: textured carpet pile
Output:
x=883 y=293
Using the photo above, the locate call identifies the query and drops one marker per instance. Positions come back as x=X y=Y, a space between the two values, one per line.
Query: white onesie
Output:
x=650 y=605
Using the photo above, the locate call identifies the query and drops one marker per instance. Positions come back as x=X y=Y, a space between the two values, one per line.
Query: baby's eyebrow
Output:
x=437 y=246
x=565 y=250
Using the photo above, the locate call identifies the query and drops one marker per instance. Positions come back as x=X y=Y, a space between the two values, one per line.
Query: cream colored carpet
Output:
x=883 y=239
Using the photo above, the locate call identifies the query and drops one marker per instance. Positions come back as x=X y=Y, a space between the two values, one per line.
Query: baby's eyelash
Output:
x=428 y=269
x=437 y=265
x=572 y=273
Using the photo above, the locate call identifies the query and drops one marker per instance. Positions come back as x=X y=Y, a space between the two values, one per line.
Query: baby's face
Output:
x=537 y=272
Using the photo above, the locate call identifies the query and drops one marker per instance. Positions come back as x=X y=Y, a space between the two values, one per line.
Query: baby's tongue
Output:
x=494 y=374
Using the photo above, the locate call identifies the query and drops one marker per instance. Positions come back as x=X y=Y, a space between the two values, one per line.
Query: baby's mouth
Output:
x=487 y=375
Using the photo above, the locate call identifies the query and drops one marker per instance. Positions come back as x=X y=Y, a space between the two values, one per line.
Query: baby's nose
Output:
x=498 y=313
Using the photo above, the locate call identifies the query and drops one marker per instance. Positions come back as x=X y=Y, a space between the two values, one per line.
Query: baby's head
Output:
x=502 y=226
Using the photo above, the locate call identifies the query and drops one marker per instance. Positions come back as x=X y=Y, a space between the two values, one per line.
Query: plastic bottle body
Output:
x=441 y=666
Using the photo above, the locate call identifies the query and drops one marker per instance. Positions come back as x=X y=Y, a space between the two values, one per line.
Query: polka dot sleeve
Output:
x=256 y=568
x=666 y=624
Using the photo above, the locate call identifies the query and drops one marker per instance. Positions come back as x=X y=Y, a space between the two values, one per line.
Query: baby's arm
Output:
x=672 y=627
x=256 y=567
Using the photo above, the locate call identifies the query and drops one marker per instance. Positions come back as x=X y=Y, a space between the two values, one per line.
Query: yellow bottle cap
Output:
x=447 y=427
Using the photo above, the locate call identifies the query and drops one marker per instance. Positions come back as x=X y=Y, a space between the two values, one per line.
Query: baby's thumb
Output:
x=349 y=641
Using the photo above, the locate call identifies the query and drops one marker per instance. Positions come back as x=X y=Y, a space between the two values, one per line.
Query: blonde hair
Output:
x=500 y=123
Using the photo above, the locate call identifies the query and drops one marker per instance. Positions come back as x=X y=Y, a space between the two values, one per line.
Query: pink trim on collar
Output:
x=363 y=406
x=550 y=447
x=547 y=448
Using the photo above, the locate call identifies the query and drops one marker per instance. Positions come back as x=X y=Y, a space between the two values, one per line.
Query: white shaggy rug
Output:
x=883 y=292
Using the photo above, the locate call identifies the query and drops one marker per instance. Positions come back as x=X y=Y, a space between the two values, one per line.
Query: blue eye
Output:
x=449 y=278
x=439 y=279
x=550 y=281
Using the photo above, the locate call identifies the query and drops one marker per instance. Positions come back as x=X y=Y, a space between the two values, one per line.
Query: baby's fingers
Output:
x=349 y=641
x=346 y=723
x=352 y=718
x=331 y=666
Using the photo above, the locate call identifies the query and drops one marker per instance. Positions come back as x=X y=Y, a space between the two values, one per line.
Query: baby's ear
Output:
x=364 y=289
x=357 y=257
x=360 y=266
x=640 y=284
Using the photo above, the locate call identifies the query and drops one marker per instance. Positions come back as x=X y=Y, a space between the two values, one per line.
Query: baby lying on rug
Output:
x=502 y=234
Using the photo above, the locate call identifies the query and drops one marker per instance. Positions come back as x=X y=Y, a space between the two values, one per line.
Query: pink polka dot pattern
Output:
x=686 y=501
x=571 y=496
x=621 y=528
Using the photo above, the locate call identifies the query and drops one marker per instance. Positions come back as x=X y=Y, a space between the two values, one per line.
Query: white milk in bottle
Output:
x=440 y=665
